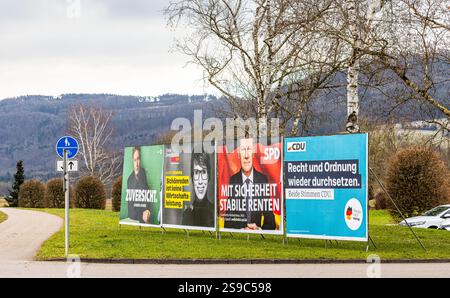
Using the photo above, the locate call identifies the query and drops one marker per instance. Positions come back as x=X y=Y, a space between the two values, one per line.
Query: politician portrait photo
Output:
x=189 y=190
x=201 y=211
x=248 y=179
x=137 y=182
x=142 y=185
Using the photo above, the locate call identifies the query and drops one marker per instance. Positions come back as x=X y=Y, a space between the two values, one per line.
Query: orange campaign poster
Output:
x=249 y=188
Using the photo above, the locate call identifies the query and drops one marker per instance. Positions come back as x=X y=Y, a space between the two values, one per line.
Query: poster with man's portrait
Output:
x=142 y=186
x=189 y=189
x=249 y=188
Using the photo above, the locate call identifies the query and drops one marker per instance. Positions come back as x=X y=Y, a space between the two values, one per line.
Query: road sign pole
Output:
x=67 y=148
x=67 y=202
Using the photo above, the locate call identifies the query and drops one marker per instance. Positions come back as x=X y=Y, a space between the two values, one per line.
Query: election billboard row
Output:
x=243 y=187
x=162 y=188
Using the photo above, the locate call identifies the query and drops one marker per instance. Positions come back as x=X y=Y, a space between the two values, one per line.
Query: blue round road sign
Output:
x=69 y=144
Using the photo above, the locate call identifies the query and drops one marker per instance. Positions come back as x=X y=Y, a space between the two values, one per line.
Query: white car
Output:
x=446 y=225
x=432 y=219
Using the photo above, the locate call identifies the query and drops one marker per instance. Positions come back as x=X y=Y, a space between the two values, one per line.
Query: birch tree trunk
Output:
x=373 y=6
x=353 y=67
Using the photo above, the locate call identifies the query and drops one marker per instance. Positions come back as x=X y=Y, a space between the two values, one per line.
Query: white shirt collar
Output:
x=249 y=177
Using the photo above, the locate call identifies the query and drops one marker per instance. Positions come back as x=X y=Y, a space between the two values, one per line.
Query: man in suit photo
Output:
x=139 y=211
x=247 y=177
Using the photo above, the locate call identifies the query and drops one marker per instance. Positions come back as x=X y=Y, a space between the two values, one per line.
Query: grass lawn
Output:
x=96 y=234
x=3 y=217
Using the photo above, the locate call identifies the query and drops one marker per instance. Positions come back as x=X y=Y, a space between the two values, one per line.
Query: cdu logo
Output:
x=296 y=146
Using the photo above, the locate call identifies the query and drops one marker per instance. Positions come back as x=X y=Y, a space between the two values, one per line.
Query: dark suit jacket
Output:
x=200 y=214
x=139 y=182
x=256 y=216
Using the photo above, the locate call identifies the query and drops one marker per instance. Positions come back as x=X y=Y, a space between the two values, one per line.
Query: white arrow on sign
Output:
x=72 y=165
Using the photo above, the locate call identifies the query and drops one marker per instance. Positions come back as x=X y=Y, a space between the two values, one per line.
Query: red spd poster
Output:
x=249 y=188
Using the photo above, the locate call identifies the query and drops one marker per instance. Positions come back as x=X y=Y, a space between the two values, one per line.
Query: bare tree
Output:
x=252 y=51
x=409 y=38
x=351 y=21
x=92 y=127
x=420 y=58
x=271 y=58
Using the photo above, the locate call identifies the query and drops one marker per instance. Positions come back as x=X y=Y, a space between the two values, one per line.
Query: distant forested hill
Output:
x=30 y=125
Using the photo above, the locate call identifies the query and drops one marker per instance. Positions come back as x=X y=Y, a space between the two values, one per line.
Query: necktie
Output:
x=247 y=200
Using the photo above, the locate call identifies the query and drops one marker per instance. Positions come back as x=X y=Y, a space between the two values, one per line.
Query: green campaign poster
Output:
x=142 y=185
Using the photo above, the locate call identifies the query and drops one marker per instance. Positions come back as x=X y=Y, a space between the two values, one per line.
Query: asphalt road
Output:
x=24 y=232
x=53 y=269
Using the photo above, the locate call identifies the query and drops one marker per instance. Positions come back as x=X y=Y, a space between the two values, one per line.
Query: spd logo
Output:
x=296 y=146
x=271 y=153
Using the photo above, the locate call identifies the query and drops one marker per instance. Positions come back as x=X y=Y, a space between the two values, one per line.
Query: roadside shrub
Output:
x=370 y=191
x=116 y=194
x=54 y=194
x=32 y=194
x=418 y=180
x=381 y=201
x=90 y=193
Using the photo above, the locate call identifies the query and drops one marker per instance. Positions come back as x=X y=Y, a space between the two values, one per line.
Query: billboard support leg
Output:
x=248 y=237
x=396 y=207
x=262 y=236
x=373 y=243
x=368 y=244
x=163 y=230
x=328 y=241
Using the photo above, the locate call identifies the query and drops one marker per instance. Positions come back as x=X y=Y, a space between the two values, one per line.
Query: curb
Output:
x=245 y=261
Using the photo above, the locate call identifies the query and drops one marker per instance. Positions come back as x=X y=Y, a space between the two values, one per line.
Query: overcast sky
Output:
x=51 y=47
